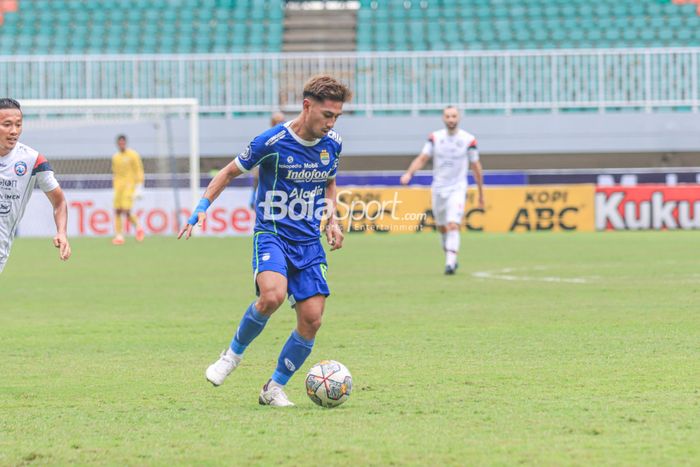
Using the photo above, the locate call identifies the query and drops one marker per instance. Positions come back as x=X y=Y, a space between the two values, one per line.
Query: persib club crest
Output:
x=20 y=168
x=325 y=157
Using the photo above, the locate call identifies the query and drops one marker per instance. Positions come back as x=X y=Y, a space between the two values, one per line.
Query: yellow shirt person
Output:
x=127 y=180
x=127 y=173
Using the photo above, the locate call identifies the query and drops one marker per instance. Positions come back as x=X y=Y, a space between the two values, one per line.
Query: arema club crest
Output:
x=20 y=168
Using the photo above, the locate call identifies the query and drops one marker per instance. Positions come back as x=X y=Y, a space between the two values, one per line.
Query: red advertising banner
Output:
x=647 y=207
x=90 y=213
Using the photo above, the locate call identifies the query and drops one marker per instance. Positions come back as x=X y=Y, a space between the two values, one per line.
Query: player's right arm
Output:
x=214 y=189
x=244 y=162
x=419 y=162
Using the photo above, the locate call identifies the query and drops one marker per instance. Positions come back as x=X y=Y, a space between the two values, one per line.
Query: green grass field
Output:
x=576 y=349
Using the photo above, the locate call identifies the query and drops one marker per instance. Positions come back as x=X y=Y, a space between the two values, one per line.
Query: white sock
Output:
x=451 y=247
x=231 y=354
x=274 y=383
x=443 y=235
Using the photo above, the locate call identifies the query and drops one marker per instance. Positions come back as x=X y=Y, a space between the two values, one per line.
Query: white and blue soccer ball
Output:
x=328 y=383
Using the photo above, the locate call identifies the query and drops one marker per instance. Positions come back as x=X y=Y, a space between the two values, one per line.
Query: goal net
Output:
x=78 y=137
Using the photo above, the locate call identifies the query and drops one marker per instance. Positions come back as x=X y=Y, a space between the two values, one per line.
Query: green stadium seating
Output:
x=141 y=26
x=195 y=26
x=525 y=24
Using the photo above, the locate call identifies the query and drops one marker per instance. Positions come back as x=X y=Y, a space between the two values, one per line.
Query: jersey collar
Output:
x=298 y=139
x=10 y=154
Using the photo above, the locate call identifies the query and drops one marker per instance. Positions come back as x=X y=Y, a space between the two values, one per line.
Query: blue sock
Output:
x=251 y=325
x=292 y=357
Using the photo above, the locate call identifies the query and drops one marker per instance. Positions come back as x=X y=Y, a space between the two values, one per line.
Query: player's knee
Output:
x=270 y=300
x=311 y=324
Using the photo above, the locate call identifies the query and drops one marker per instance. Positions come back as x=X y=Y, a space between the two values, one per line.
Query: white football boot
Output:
x=273 y=395
x=220 y=369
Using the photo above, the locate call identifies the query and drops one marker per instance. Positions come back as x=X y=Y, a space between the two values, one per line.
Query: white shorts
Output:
x=448 y=207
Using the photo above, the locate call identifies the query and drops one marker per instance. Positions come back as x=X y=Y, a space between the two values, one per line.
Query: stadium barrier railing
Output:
x=598 y=80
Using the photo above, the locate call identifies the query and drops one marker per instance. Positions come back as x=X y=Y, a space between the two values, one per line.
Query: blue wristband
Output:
x=202 y=206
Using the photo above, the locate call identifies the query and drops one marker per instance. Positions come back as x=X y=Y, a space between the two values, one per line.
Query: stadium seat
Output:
x=146 y=26
x=529 y=24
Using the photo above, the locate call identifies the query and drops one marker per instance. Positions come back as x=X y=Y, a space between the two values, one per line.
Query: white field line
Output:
x=507 y=274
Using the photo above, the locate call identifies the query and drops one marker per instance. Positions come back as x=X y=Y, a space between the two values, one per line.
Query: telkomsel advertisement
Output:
x=90 y=213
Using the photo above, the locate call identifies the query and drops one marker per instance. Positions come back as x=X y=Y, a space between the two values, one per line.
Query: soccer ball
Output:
x=328 y=383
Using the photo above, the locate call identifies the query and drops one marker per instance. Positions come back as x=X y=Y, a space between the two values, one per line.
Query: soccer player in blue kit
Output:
x=298 y=161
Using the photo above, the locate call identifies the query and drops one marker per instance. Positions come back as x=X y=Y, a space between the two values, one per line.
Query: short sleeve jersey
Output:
x=451 y=156
x=290 y=199
x=20 y=171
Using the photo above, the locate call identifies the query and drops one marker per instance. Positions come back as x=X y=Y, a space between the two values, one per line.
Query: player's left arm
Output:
x=334 y=234
x=138 y=170
x=475 y=164
x=479 y=177
x=47 y=182
x=60 y=216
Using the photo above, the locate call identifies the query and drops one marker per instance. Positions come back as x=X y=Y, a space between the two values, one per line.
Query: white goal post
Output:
x=52 y=112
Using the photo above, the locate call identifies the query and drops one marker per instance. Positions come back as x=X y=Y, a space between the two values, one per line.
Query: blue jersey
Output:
x=290 y=200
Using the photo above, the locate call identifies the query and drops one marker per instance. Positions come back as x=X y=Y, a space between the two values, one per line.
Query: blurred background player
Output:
x=127 y=179
x=275 y=119
x=450 y=149
x=21 y=167
x=298 y=164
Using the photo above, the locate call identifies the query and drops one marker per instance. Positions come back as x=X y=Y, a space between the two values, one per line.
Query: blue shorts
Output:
x=303 y=265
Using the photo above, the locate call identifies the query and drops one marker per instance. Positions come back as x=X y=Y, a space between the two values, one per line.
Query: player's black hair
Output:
x=121 y=137
x=9 y=103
